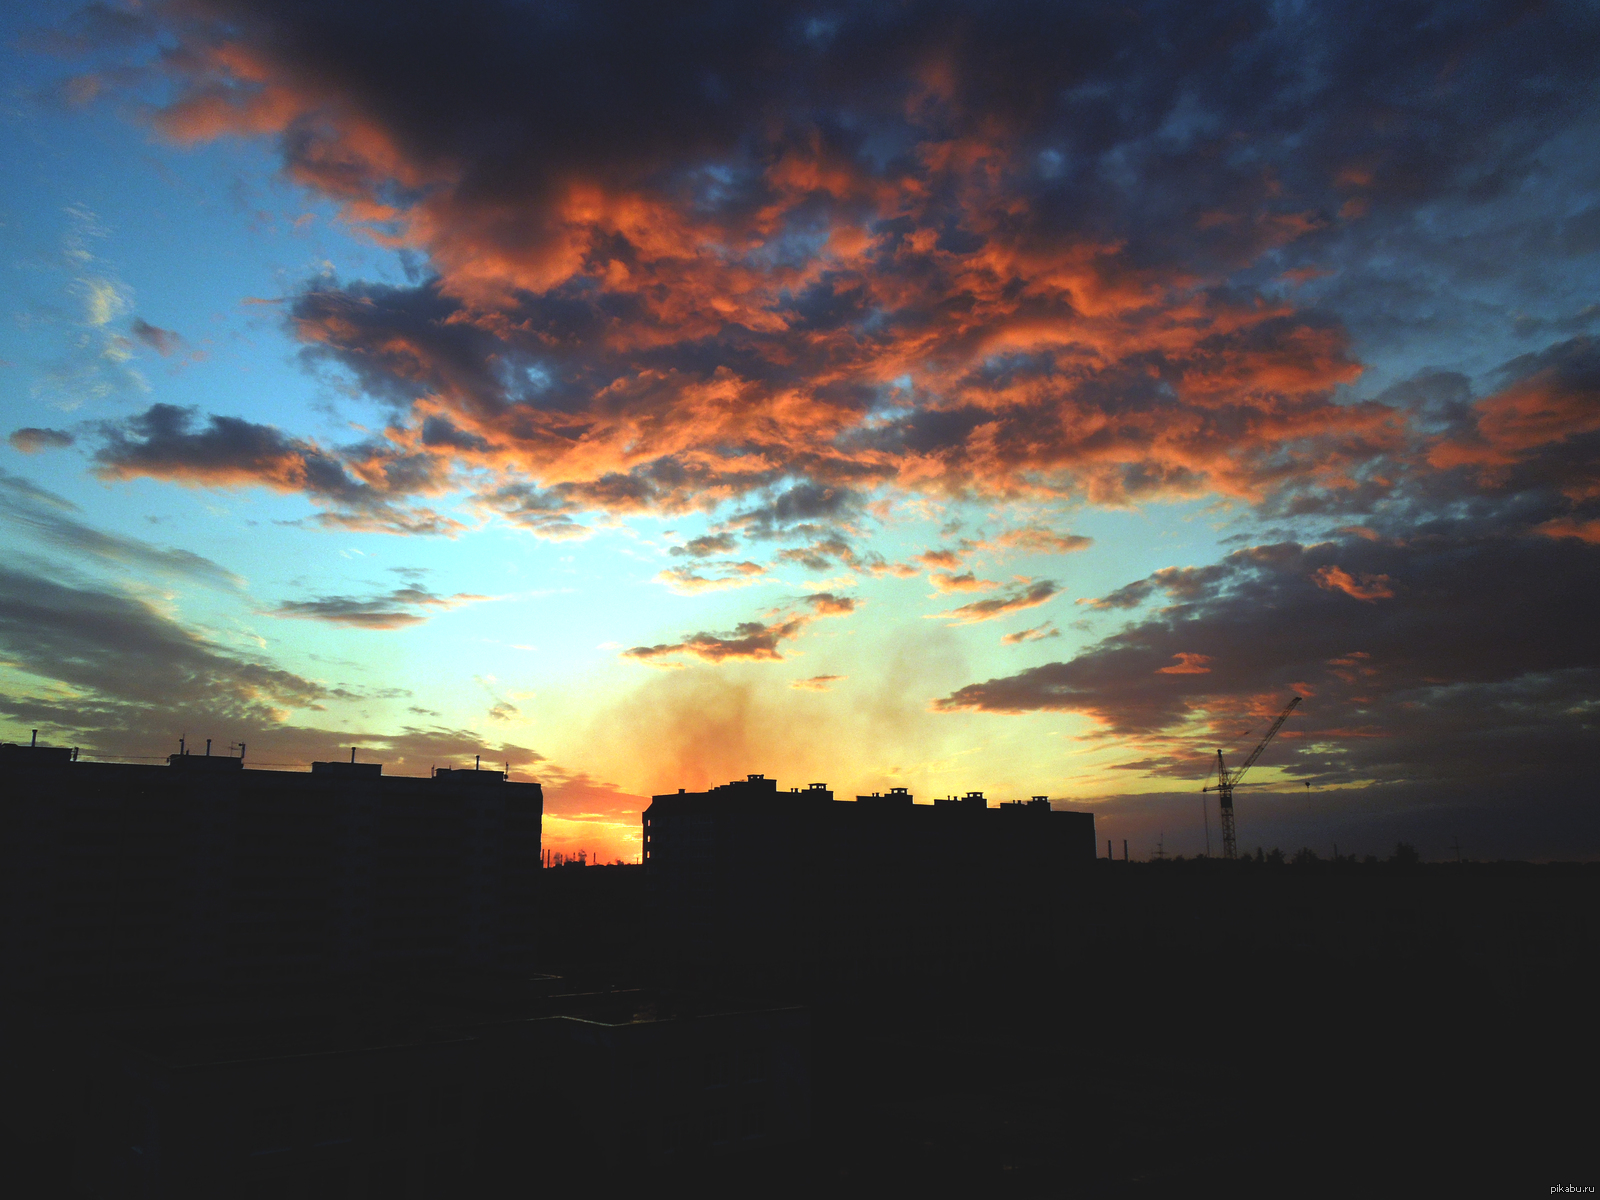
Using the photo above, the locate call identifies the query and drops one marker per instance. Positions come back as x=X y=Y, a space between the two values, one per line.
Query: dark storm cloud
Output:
x=1539 y=430
x=1450 y=669
x=402 y=343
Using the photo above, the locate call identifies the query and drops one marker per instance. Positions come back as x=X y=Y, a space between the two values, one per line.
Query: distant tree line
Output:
x=1405 y=856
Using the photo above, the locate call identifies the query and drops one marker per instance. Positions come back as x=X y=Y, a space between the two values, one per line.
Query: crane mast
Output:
x=1227 y=780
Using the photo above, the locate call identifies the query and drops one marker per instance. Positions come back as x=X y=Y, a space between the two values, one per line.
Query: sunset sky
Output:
x=1024 y=398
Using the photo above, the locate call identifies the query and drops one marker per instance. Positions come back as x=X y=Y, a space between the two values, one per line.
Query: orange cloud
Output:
x=1570 y=527
x=1140 y=380
x=1039 y=540
x=710 y=577
x=1025 y=596
x=1187 y=664
x=1370 y=588
x=817 y=683
x=752 y=641
x=1037 y=633
x=943 y=581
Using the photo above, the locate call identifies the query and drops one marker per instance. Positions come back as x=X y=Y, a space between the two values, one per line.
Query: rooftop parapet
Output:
x=897 y=798
x=346 y=768
x=35 y=755
x=205 y=762
x=466 y=775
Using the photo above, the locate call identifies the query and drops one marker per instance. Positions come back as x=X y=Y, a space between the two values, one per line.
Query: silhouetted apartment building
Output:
x=204 y=871
x=745 y=873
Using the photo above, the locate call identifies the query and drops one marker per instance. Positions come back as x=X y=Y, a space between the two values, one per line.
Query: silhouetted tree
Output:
x=1305 y=857
x=1276 y=857
x=1405 y=855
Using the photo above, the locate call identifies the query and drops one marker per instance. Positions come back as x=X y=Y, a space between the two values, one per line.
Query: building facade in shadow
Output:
x=204 y=872
x=747 y=876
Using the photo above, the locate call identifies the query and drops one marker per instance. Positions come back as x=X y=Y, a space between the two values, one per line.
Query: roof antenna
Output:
x=181 y=750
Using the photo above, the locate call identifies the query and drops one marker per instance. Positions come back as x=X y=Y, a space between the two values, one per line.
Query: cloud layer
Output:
x=789 y=268
x=678 y=259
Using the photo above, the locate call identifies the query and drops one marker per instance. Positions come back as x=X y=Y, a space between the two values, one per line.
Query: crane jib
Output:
x=1228 y=780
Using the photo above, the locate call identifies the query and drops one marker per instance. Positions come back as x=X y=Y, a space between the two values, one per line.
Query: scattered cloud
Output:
x=162 y=341
x=1026 y=595
x=396 y=609
x=46 y=518
x=711 y=576
x=943 y=581
x=707 y=545
x=754 y=641
x=1036 y=539
x=30 y=440
x=1035 y=634
x=126 y=665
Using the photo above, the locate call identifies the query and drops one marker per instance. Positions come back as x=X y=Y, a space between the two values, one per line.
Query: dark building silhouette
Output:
x=746 y=874
x=206 y=872
x=221 y=981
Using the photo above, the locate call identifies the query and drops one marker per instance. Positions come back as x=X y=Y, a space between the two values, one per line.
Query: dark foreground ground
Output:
x=1205 y=1027
x=1294 y=1030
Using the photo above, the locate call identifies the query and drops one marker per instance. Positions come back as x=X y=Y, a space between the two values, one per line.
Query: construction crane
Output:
x=1228 y=780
